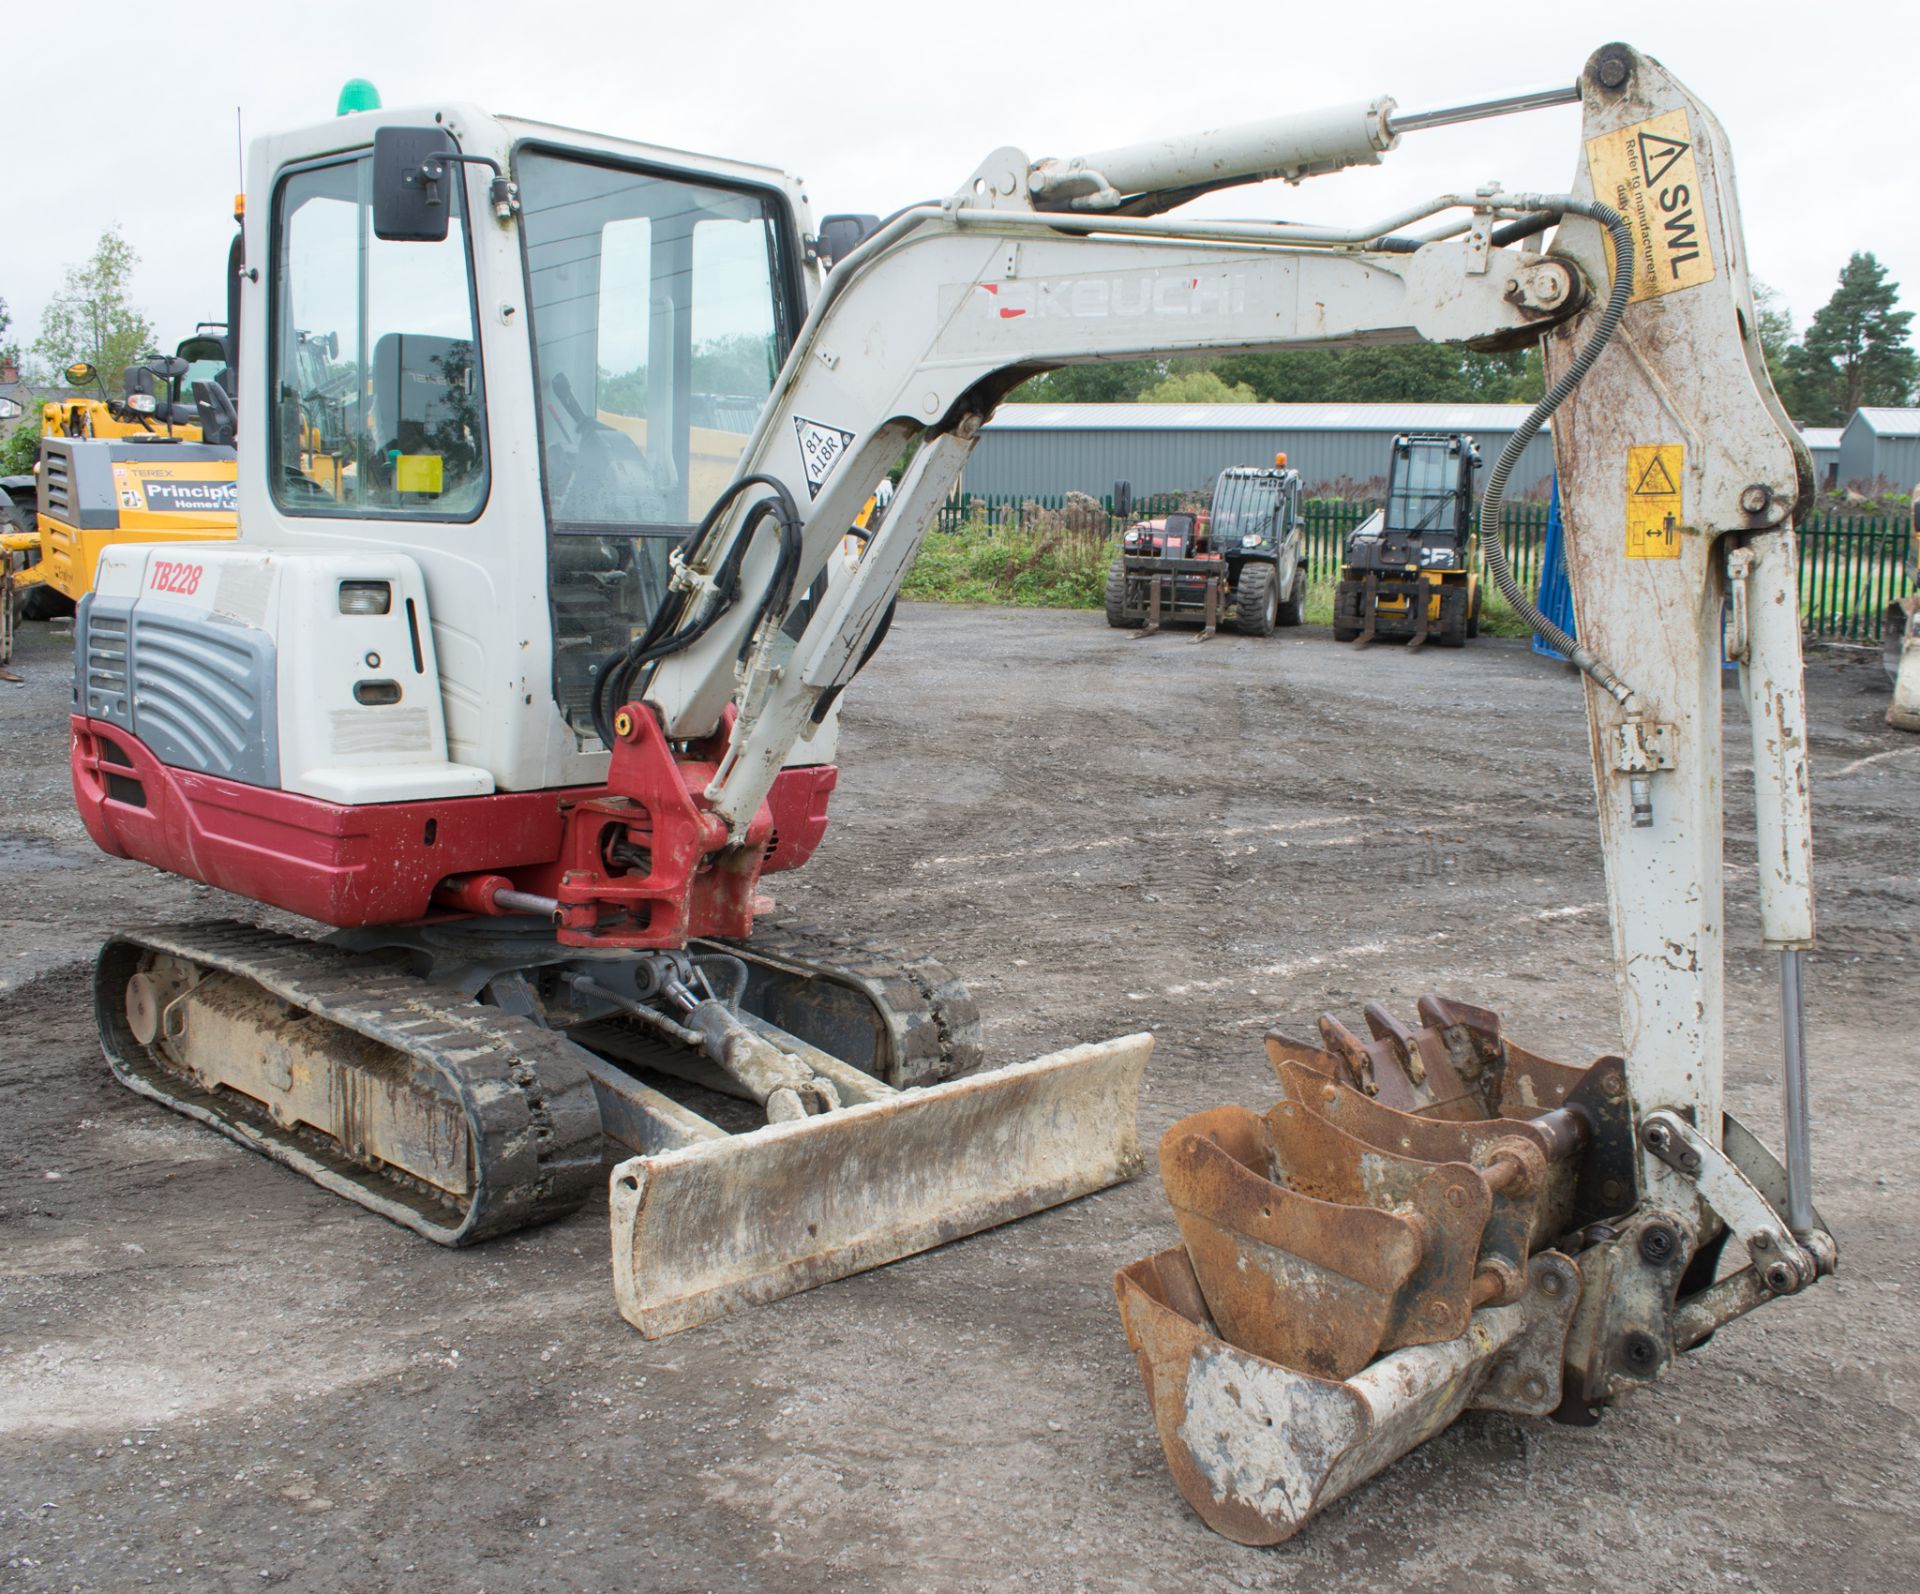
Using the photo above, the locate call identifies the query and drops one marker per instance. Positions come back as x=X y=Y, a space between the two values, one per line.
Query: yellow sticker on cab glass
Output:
x=1654 y=474
x=416 y=473
x=1647 y=172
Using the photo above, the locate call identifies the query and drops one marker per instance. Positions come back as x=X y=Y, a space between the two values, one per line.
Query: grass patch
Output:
x=1041 y=568
x=1062 y=568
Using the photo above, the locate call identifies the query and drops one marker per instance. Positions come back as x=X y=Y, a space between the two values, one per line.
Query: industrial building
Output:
x=1045 y=450
x=1048 y=450
x=1881 y=445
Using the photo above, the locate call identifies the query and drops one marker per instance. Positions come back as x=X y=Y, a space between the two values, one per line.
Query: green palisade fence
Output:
x=1851 y=566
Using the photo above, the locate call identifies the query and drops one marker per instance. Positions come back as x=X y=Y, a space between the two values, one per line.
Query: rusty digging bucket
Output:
x=1366 y=1260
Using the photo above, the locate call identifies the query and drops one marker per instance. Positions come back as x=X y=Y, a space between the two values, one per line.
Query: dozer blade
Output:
x=1257 y=1448
x=702 y=1229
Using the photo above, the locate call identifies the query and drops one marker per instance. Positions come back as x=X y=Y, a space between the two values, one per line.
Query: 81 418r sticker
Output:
x=821 y=448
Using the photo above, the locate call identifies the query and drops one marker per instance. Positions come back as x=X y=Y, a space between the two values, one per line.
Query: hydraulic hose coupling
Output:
x=1640 y=794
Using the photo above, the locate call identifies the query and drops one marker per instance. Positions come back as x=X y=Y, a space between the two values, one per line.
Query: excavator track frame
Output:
x=528 y=1103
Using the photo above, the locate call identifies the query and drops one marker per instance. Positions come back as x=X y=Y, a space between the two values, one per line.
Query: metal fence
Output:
x=1851 y=566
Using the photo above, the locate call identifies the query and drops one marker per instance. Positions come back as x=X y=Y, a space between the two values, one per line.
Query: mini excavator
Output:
x=524 y=699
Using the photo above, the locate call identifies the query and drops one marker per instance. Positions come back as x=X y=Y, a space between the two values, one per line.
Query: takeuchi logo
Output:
x=1132 y=297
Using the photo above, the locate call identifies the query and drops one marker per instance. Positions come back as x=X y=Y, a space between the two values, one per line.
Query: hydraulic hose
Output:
x=620 y=669
x=1491 y=543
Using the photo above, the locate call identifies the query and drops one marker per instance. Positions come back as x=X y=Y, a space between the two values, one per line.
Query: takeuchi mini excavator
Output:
x=521 y=705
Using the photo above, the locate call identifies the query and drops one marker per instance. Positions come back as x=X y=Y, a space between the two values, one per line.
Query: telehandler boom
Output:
x=528 y=699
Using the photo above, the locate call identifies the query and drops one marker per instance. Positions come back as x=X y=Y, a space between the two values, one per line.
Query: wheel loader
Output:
x=1409 y=565
x=520 y=712
x=1240 y=561
x=134 y=469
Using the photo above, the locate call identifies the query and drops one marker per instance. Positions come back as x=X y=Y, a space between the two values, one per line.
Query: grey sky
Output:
x=880 y=104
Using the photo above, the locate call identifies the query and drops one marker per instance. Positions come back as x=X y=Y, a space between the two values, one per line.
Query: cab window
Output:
x=375 y=382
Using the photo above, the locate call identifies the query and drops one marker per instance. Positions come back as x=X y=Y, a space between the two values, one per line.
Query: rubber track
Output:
x=530 y=1107
x=933 y=1016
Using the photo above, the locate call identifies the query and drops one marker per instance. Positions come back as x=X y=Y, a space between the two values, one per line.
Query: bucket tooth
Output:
x=1456 y=1065
x=701 y=1229
x=1256 y=1447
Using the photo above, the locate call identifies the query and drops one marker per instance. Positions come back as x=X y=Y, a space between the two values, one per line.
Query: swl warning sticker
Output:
x=1654 y=473
x=821 y=448
x=1647 y=172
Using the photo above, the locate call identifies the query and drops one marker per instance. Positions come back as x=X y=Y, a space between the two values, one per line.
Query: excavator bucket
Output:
x=1369 y=1258
x=729 y=1221
x=1256 y=1448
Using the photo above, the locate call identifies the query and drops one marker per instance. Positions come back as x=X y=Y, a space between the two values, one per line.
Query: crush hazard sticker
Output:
x=821 y=448
x=1654 y=473
x=1648 y=173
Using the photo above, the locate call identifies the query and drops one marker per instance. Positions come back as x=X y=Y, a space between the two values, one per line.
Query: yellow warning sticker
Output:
x=1654 y=474
x=1647 y=172
x=416 y=473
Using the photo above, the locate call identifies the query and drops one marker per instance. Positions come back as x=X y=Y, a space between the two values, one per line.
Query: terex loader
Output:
x=525 y=708
x=134 y=469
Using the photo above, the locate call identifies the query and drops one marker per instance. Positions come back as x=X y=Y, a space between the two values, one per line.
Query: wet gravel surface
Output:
x=213 y=1375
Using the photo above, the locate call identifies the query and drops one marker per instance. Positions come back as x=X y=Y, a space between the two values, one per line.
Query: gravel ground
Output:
x=213 y=1375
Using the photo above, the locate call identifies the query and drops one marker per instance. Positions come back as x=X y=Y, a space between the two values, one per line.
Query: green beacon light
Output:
x=357 y=94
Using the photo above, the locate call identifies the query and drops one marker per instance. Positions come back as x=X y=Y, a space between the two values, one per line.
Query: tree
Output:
x=1198 y=387
x=9 y=352
x=1855 y=351
x=1404 y=373
x=20 y=448
x=1110 y=382
x=92 y=318
x=1775 y=328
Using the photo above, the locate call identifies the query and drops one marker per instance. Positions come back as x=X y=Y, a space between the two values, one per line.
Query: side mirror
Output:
x=841 y=235
x=81 y=374
x=1123 y=500
x=411 y=177
x=11 y=409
